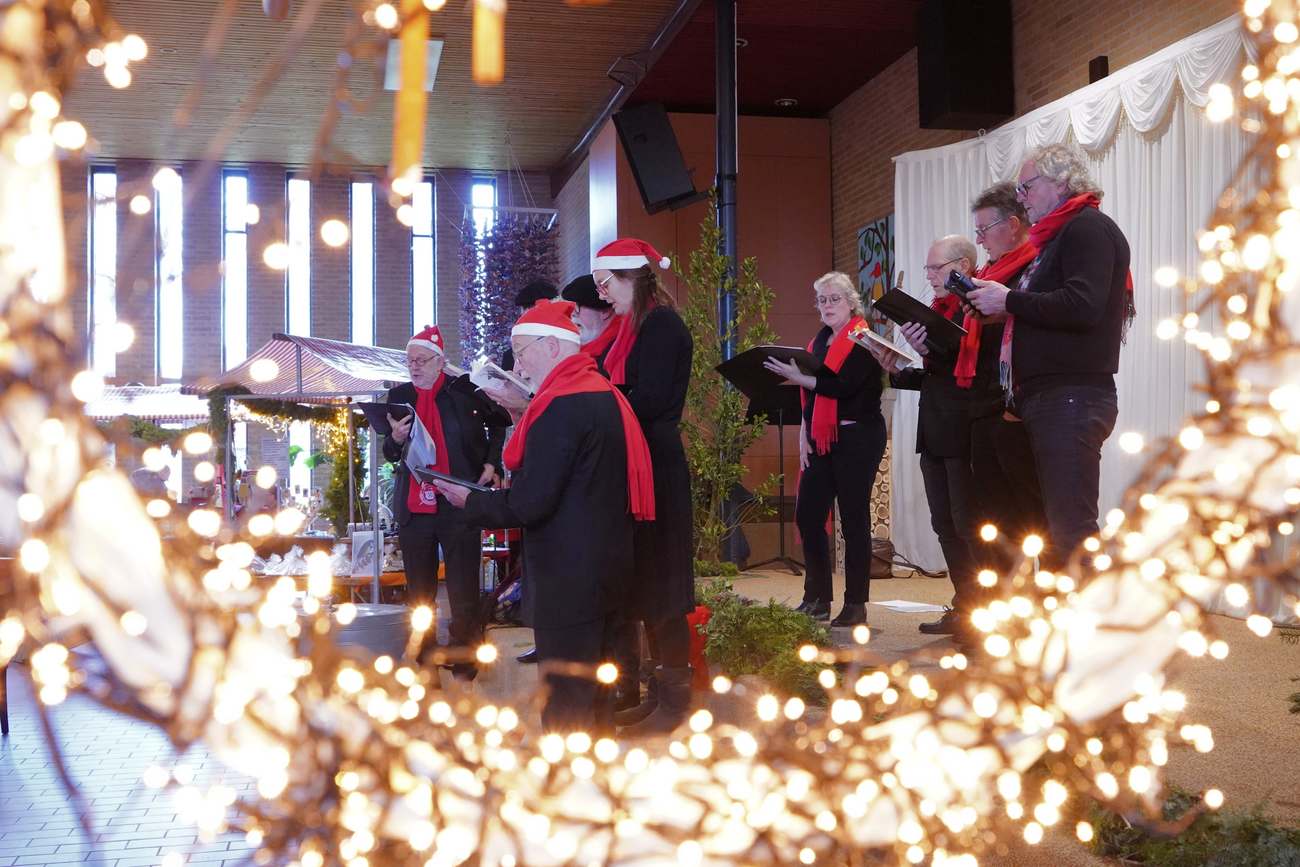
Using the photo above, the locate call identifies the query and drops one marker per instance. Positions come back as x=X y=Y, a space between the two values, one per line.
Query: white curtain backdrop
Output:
x=1161 y=164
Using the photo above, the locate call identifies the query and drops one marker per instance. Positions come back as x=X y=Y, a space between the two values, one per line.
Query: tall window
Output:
x=363 y=263
x=234 y=274
x=103 y=270
x=170 y=321
x=298 y=297
x=483 y=199
x=298 y=314
x=424 y=261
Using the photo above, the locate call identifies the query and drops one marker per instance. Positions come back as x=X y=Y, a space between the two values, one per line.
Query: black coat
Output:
x=471 y=443
x=1070 y=318
x=657 y=373
x=571 y=498
x=943 y=423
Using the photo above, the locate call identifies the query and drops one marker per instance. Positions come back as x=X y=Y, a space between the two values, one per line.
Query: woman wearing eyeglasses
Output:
x=841 y=443
x=650 y=360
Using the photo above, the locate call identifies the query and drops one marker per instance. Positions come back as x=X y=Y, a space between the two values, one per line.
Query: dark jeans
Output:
x=948 y=493
x=420 y=539
x=846 y=475
x=1005 y=482
x=576 y=703
x=669 y=640
x=1066 y=426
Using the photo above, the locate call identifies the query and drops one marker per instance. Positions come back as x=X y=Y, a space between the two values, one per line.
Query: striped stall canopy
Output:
x=313 y=367
x=160 y=404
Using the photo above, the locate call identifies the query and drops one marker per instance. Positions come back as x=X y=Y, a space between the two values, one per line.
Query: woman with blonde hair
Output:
x=841 y=444
x=650 y=360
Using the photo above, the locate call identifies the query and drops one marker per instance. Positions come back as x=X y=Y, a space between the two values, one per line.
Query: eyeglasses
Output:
x=981 y=231
x=934 y=269
x=1022 y=189
x=422 y=362
x=519 y=353
x=601 y=284
x=823 y=300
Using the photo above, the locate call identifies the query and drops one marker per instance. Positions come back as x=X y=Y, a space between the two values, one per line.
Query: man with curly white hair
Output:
x=1066 y=318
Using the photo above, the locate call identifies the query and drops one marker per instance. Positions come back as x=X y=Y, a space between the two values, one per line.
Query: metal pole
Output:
x=229 y=438
x=725 y=100
x=352 y=482
x=374 y=510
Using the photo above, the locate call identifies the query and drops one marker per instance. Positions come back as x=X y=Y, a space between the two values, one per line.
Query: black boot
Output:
x=646 y=706
x=815 y=609
x=949 y=623
x=674 y=704
x=852 y=614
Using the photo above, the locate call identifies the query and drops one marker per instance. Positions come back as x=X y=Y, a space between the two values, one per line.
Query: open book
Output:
x=485 y=372
x=866 y=338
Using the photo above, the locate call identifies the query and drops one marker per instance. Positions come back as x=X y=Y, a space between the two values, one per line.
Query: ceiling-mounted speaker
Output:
x=965 y=73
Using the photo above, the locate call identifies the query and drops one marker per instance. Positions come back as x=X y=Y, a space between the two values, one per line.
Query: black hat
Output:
x=582 y=291
x=534 y=292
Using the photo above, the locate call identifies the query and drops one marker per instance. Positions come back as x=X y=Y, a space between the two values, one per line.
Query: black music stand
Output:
x=770 y=397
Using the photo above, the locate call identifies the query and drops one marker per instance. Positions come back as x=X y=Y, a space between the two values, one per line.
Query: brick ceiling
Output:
x=557 y=57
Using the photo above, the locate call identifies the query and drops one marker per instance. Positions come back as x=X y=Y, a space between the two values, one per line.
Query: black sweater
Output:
x=1070 y=317
x=857 y=386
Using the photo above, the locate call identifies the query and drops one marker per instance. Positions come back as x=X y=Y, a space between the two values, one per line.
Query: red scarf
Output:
x=422 y=497
x=1008 y=265
x=602 y=341
x=826 y=410
x=577 y=374
x=616 y=361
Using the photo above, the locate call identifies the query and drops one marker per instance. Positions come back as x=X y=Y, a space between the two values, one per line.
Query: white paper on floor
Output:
x=903 y=606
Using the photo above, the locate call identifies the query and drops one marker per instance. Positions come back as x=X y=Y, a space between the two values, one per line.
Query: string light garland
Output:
x=371 y=762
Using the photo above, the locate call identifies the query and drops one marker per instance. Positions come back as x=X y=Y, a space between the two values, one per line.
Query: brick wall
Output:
x=1053 y=43
x=574 y=205
x=330 y=267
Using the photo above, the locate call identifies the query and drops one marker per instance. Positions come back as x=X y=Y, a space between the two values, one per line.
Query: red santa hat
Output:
x=548 y=318
x=626 y=254
x=430 y=338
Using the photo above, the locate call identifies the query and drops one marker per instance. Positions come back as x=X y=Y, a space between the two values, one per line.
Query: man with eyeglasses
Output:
x=428 y=530
x=1066 y=319
x=943 y=432
x=1002 y=462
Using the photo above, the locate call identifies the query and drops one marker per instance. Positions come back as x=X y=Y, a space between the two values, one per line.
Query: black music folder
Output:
x=942 y=334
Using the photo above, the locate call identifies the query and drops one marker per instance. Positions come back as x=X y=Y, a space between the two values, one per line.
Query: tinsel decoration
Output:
x=495 y=263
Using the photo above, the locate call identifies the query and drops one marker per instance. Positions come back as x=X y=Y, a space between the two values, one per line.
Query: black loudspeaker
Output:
x=656 y=160
x=963 y=61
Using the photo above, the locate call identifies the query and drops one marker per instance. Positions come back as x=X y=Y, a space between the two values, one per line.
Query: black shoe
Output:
x=672 y=704
x=816 y=610
x=949 y=623
x=527 y=656
x=852 y=614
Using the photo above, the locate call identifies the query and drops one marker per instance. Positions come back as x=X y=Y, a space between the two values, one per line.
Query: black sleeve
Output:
x=857 y=368
x=393 y=450
x=496 y=438
x=908 y=379
x=550 y=453
x=659 y=342
x=1087 y=258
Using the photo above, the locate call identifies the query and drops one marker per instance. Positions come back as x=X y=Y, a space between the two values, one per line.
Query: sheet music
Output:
x=485 y=372
x=421 y=452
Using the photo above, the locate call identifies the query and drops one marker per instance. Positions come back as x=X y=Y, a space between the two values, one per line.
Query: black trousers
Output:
x=1067 y=426
x=576 y=703
x=420 y=539
x=1005 y=485
x=948 y=493
x=845 y=474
